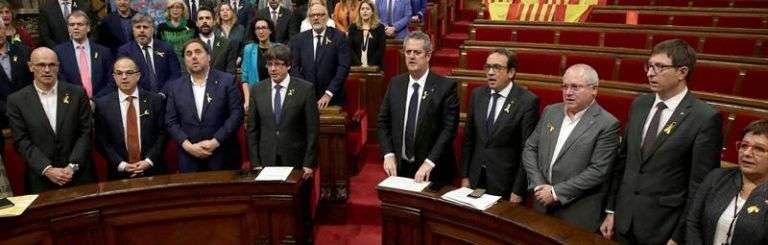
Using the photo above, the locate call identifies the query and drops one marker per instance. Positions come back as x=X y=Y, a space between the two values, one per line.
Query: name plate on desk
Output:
x=274 y=174
x=402 y=183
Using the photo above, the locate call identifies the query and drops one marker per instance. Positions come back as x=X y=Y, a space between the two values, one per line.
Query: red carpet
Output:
x=363 y=214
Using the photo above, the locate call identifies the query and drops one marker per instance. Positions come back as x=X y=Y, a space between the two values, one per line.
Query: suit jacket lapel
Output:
x=95 y=56
x=69 y=51
x=64 y=98
x=677 y=118
x=399 y=107
x=584 y=124
x=264 y=96
x=553 y=122
x=507 y=109
x=640 y=112
x=481 y=110
x=426 y=97
x=211 y=85
x=144 y=120
x=34 y=98
x=117 y=114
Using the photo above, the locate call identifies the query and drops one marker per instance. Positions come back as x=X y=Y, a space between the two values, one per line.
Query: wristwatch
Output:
x=74 y=167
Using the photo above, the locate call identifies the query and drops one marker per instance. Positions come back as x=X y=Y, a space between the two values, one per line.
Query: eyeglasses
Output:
x=41 y=66
x=656 y=67
x=757 y=150
x=316 y=15
x=495 y=67
x=262 y=28
x=574 y=87
x=126 y=73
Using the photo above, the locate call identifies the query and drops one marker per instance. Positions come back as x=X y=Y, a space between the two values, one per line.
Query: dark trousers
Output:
x=407 y=168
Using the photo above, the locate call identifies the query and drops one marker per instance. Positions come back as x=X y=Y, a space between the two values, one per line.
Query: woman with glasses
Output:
x=366 y=37
x=254 y=65
x=731 y=204
x=176 y=30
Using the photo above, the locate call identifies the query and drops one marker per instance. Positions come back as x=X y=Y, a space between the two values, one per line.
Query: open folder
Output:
x=274 y=174
x=460 y=196
x=403 y=183
x=20 y=203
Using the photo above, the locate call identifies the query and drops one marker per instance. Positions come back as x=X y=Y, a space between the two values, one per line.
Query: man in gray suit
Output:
x=569 y=155
x=283 y=120
x=501 y=116
x=672 y=141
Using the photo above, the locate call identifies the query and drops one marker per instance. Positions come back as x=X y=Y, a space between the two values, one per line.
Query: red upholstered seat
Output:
x=547 y=95
x=357 y=130
x=493 y=34
x=535 y=36
x=539 y=63
x=393 y=57
x=619 y=18
x=631 y=70
x=652 y=19
x=692 y=20
x=714 y=78
x=712 y=3
x=750 y=4
x=690 y=39
x=755 y=84
x=625 y=39
x=15 y=168
x=603 y=64
x=617 y=104
x=589 y=38
x=476 y=58
x=740 y=22
x=677 y=3
x=729 y=46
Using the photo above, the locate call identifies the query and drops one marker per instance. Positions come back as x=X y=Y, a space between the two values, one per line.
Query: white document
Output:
x=274 y=174
x=460 y=196
x=402 y=183
x=20 y=203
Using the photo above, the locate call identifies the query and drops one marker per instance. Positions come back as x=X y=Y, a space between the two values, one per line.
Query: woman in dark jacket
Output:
x=366 y=37
x=730 y=206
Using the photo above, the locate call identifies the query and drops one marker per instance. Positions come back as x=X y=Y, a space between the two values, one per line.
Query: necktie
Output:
x=234 y=6
x=148 y=58
x=66 y=11
x=410 y=123
x=319 y=43
x=653 y=130
x=278 y=105
x=389 y=12
x=85 y=71
x=274 y=17
x=208 y=42
x=132 y=132
x=193 y=9
x=491 y=114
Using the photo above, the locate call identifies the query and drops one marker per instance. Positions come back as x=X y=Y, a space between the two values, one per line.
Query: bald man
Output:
x=51 y=126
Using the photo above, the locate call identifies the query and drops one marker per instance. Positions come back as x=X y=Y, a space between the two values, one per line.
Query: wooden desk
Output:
x=223 y=207
x=424 y=218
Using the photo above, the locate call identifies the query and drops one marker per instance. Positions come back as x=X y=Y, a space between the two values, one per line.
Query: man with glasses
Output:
x=501 y=116
x=672 y=140
x=569 y=155
x=84 y=62
x=130 y=126
x=51 y=127
x=418 y=118
x=321 y=57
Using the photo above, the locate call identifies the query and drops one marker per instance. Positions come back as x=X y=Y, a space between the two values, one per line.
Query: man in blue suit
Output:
x=321 y=56
x=115 y=29
x=130 y=126
x=83 y=62
x=395 y=15
x=204 y=110
x=155 y=58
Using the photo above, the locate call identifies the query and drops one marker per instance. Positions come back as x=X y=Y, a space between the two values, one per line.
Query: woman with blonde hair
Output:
x=15 y=33
x=345 y=13
x=176 y=30
x=366 y=36
x=227 y=26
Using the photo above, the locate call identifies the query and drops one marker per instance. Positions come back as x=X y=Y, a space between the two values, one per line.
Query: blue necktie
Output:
x=410 y=125
x=278 y=105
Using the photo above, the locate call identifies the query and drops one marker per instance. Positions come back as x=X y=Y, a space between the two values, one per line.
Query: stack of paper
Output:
x=460 y=196
x=20 y=203
x=402 y=183
x=274 y=174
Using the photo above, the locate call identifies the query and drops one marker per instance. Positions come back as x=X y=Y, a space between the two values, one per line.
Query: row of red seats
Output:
x=741 y=20
x=694 y=3
x=709 y=76
x=602 y=35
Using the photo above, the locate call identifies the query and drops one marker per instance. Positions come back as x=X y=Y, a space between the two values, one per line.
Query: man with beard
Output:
x=155 y=58
x=321 y=56
x=223 y=54
x=286 y=26
x=115 y=29
x=203 y=113
x=84 y=62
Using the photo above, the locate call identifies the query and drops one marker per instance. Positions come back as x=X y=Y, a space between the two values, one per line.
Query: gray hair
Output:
x=418 y=35
x=587 y=73
x=142 y=18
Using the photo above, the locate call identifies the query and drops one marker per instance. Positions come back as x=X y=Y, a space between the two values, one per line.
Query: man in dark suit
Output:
x=672 y=141
x=569 y=155
x=15 y=75
x=283 y=119
x=155 y=58
x=52 y=19
x=321 y=56
x=130 y=126
x=195 y=5
x=203 y=112
x=286 y=26
x=51 y=127
x=501 y=116
x=418 y=118
x=115 y=30
x=223 y=53
x=83 y=62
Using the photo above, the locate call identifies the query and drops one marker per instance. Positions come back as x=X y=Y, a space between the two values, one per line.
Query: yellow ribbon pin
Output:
x=671 y=126
x=753 y=209
x=550 y=127
x=66 y=98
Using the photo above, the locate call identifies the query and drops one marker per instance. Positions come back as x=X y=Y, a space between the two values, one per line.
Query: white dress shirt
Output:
x=198 y=92
x=49 y=100
x=87 y=47
x=671 y=103
x=724 y=222
x=65 y=8
x=499 y=102
x=422 y=81
x=123 y=98
x=286 y=81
